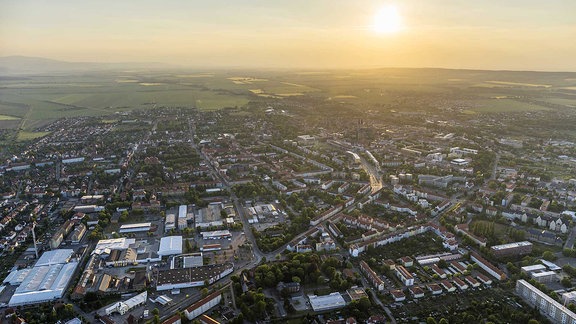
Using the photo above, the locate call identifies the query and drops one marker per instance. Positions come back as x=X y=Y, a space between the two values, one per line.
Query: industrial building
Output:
x=170 y=245
x=191 y=277
x=331 y=301
x=125 y=306
x=516 y=248
x=193 y=260
x=133 y=228
x=216 y=235
x=546 y=305
x=46 y=281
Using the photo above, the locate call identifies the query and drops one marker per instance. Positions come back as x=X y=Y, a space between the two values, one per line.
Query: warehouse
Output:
x=192 y=277
x=138 y=227
x=47 y=280
x=170 y=245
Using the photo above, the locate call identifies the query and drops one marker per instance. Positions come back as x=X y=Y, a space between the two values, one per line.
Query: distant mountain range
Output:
x=39 y=65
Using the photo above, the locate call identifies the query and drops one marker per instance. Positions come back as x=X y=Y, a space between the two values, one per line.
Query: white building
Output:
x=125 y=306
x=331 y=301
x=203 y=305
x=170 y=245
x=47 y=280
x=546 y=305
x=133 y=228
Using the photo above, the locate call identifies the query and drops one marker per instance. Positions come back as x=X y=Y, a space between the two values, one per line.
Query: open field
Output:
x=25 y=136
x=6 y=117
x=48 y=97
x=503 y=106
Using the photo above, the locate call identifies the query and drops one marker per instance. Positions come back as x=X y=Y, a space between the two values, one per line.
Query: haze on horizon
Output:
x=511 y=34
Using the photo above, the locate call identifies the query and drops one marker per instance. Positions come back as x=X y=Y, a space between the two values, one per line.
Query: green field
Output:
x=503 y=106
x=37 y=99
x=25 y=136
x=6 y=117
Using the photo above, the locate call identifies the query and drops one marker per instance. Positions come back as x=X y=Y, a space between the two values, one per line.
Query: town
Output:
x=175 y=215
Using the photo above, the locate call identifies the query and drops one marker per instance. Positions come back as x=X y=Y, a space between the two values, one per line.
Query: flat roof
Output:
x=534 y=267
x=548 y=299
x=182 y=211
x=170 y=245
x=54 y=257
x=511 y=245
x=333 y=300
x=136 y=225
x=113 y=244
x=543 y=274
x=43 y=283
x=175 y=276
x=216 y=233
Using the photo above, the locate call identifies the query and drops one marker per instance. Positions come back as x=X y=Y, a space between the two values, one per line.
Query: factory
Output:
x=46 y=281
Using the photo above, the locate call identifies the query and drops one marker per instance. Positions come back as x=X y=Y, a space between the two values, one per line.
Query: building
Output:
x=404 y=275
x=516 y=248
x=546 y=305
x=449 y=287
x=331 y=301
x=290 y=287
x=472 y=282
x=193 y=260
x=46 y=281
x=203 y=305
x=192 y=277
x=439 y=272
x=216 y=235
x=372 y=276
x=533 y=268
x=133 y=228
x=435 y=289
x=545 y=276
x=483 y=279
x=568 y=297
x=460 y=284
x=487 y=266
x=60 y=234
x=416 y=292
x=398 y=295
x=211 y=247
x=356 y=293
x=170 y=245
x=78 y=233
x=125 y=306
x=170 y=222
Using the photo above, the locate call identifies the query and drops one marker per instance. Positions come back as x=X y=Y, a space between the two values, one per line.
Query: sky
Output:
x=310 y=34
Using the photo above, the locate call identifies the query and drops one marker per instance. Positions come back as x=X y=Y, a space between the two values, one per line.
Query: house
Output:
x=416 y=292
x=435 y=289
x=398 y=295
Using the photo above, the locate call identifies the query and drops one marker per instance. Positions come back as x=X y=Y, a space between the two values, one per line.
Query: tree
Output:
x=204 y=292
x=430 y=320
x=548 y=256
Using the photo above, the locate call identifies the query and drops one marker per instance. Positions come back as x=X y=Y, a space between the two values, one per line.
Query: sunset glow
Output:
x=388 y=20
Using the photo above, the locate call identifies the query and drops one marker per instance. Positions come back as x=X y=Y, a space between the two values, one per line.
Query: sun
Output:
x=387 y=20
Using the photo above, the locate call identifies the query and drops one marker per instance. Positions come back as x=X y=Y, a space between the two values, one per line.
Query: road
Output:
x=570 y=241
x=374 y=172
x=495 y=167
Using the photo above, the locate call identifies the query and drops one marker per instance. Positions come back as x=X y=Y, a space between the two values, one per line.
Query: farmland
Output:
x=29 y=101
